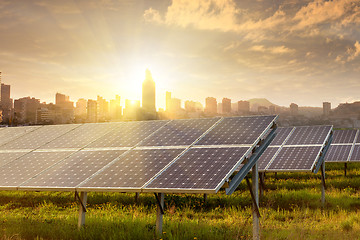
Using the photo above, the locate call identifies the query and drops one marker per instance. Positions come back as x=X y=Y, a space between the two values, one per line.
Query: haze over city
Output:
x=286 y=51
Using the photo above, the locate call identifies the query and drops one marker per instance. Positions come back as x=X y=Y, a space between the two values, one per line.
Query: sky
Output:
x=289 y=51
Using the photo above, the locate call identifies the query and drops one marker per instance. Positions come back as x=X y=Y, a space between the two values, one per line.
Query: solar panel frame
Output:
x=282 y=135
x=296 y=138
x=347 y=136
x=11 y=135
x=336 y=151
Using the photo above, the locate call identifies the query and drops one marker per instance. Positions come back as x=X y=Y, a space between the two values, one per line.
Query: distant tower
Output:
x=326 y=108
x=148 y=93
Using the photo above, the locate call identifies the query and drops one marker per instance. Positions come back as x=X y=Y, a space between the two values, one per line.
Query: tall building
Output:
x=66 y=107
x=226 y=105
x=148 y=93
x=210 y=105
x=103 y=109
x=326 y=108
x=294 y=109
x=80 y=108
x=6 y=103
x=243 y=107
x=168 y=101
x=25 y=110
x=115 y=108
x=91 y=111
x=132 y=108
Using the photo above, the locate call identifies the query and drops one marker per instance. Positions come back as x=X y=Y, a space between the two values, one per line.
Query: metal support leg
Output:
x=256 y=213
x=160 y=213
x=137 y=197
x=262 y=184
x=345 y=168
x=82 y=208
x=205 y=197
x=323 y=186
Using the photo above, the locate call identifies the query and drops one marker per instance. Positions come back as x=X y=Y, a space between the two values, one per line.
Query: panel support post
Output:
x=82 y=208
x=160 y=213
x=137 y=197
x=345 y=168
x=205 y=197
x=262 y=184
x=323 y=186
x=255 y=211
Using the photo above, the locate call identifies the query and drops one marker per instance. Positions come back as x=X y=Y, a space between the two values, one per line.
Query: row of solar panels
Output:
x=345 y=146
x=195 y=155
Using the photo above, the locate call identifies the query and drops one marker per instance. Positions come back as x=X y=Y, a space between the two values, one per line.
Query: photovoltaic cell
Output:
x=82 y=136
x=133 y=169
x=40 y=136
x=180 y=132
x=338 y=153
x=237 y=130
x=128 y=134
x=344 y=136
x=309 y=135
x=266 y=157
x=28 y=166
x=10 y=133
x=6 y=157
x=199 y=168
x=73 y=170
x=295 y=158
x=355 y=156
x=281 y=135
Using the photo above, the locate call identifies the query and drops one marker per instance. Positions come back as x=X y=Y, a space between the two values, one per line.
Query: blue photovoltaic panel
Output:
x=295 y=159
x=355 y=156
x=266 y=157
x=28 y=166
x=82 y=136
x=6 y=157
x=199 y=169
x=39 y=137
x=338 y=153
x=180 y=132
x=10 y=133
x=281 y=135
x=73 y=170
x=238 y=130
x=344 y=136
x=309 y=135
x=132 y=170
x=128 y=134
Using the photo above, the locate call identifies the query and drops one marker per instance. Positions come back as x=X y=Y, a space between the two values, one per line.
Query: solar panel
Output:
x=132 y=170
x=39 y=137
x=266 y=157
x=82 y=136
x=309 y=135
x=128 y=134
x=28 y=166
x=344 y=136
x=295 y=159
x=199 y=169
x=355 y=156
x=338 y=153
x=281 y=135
x=73 y=170
x=6 y=157
x=10 y=133
x=180 y=132
x=238 y=130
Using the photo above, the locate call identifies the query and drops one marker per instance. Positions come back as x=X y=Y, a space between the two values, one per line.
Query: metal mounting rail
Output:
x=323 y=153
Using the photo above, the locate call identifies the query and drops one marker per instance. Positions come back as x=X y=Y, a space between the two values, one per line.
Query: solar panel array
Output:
x=295 y=149
x=345 y=146
x=190 y=155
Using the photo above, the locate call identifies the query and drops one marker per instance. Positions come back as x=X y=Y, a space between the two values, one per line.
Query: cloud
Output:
x=354 y=52
x=153 y=15
x=273 y=50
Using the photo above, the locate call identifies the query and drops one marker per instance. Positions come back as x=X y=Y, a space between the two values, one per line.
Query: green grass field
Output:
x=290 y=209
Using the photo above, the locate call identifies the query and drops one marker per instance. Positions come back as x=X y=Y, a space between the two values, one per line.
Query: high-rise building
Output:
x=132 y=108
x=243 y=107
x=6 y=103
x=103 y=109
x=81 y=105
x=226 y=105
x=168 y=101
x=148 y=93
x=25 y=110
x=66 y=109
x=210 y=105
x=294 y=109
x=326 y=108
x=91 y=111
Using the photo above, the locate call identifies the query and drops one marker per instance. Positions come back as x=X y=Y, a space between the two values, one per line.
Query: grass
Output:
x=290 y=209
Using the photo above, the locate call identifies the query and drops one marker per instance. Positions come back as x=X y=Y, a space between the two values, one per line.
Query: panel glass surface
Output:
x=133 y=169
x=338 y=153
x=266 y=157
x=308 y=135
x=180 y=132
x=281 y=135
x=73 y=170
x=6 y=157
x=82 y=136
x=28 y=166
x=199 y=168
x=344 y=136
x=295 y=158
x=128 y=134
x=237 y=130
x=39 y=137
x=10 y=133
x=355 y=156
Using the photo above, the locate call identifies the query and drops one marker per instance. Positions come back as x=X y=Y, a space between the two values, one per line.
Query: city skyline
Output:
x=304 y=52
